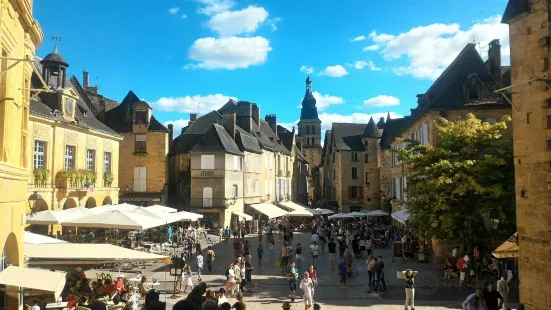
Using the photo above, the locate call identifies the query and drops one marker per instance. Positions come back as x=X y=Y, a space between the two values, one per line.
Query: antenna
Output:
x=479 y=47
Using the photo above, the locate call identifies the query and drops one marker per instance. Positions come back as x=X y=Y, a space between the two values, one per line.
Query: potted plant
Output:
x=62 y=178
x=108 y=178
x=41 y=176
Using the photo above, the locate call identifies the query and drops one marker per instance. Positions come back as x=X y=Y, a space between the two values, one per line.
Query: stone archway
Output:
x=10 y=256
x=90 y=203
x=107 y=201
x=69 y=203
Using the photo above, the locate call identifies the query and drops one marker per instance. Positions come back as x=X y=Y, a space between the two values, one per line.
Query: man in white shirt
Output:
x=199 y=266
x=315 y=238
x=315 y=250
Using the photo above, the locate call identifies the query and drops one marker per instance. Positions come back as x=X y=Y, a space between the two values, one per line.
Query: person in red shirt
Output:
x=71 y=302
x=119 y=285
x=461 y=265
x=80 y=272
x=109 y=287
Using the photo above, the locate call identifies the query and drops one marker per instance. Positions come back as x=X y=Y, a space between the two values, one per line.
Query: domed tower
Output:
x=54 y=70
x=371 y=138
x=309 y=133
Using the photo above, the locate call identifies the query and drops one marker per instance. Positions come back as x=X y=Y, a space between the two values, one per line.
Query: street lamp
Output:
x=33 y=201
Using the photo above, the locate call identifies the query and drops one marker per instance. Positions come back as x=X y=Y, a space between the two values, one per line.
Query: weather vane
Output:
x=56 y=38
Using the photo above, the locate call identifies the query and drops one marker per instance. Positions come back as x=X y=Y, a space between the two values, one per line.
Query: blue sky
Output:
x=365 y=57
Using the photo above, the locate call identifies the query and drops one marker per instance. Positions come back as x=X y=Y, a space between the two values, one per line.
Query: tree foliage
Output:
x=453 y=184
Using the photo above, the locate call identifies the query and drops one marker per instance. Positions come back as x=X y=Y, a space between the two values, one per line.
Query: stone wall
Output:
x=530 y=50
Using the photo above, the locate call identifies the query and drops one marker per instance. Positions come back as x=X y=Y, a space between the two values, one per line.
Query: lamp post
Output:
x=33 y=201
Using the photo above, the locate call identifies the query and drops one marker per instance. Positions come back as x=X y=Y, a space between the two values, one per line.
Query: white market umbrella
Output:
x=357 y=214
x=300 y=213
x=187 y=216
x=117 y=219
x=377 y=213
x=159 y=208
x=32 y=238
x=340 y=216
x=108 y=208
x=323 y=211
x=49 y=217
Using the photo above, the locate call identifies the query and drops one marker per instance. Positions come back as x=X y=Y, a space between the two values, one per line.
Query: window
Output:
x=313 y=130
x=249 y=187
x=367 y=177
x=266 y=188
x=236 y=163
x=207 y=197
x=354 y=156
x=334 y=174
x=333 y=157
x=235 y=191
x=271 y=186
x=141 y=117
x=354 y=173
x=257 y=157
x=249 y=163
x=355 y=192
x=528 y=117
x=425 y=133
x=69 y=157
x=308 y=131
x=140 y=178
x=366 y=158
x=256 y=188
x=90 y=159
x=39 y=155
x=107 y=162
x=207 y=162
x=140 y=145
x=271 y=161
x=265 y=159
x=307 y=141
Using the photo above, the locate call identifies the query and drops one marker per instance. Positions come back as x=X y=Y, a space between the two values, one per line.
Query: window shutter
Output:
x=235 y=163
x=136 y=179
x=271 y=186
x=257 y=163
x=143 y=179
x=249 y=187
x=425 y=133
x=256 y=188
x=266 y=191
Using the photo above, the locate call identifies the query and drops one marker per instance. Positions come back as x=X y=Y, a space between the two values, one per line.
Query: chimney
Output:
x=271 y=119
x=101 y=113
x=256 y=114
x=170 y=134
x=244 y=115
x=192 y=118
x=183 y=130
x=85 y=78
x=494 y=59
x=228 y=122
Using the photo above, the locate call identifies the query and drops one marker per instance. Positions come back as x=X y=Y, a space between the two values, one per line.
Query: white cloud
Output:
x=192 y=104
x=381 y=101
x=325 y=101
x=290 y=126
x=358 y=38
x=334 y=71
x=229 y=53
x=173 y=11
x=231 y=23
x=373 y=47
x=273 y=22
x=306 y=69
x=360 y=64
x=327 y=119
x=178 y=125
x=430 y=49
x=212 y=7
x=184 y=16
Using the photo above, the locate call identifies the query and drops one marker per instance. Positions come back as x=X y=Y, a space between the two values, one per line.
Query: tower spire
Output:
x=388 y=116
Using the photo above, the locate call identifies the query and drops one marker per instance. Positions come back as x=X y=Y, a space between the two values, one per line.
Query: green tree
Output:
x=453 y=185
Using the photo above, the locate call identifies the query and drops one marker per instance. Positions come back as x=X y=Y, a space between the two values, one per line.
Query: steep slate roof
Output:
x=348 y=136
x=392 y=128
x=447 y=91
x=514 y=9
x=300 y=155
x=92 y=99
x=246 y=142
x=371 y=130
x=216 y=139
x=42 y=105
x=326 y=140
x=272 y=136
x=286 y=139
x=120 y=117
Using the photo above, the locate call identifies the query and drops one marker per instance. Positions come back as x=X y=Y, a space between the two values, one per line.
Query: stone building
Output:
x=143 y=151
x=309 y=134
x=528 y=22
x=257 y=170
x=21 y=34
x=351 y=166
x=299 y=180
x=74 y=155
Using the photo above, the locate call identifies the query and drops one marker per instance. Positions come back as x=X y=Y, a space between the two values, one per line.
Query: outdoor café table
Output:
x=136 y=280
x=153 y=283
x=57 y=305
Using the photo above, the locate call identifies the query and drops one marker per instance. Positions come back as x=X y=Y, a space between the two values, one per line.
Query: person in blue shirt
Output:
x=227 y=233
x=342 y=273
x=169 y=232
x=259 y=252
x=292 y=276
x=473 y=302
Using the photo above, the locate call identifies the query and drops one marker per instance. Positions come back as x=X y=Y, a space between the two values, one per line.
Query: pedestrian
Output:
x=284 y=257
x=210 y=258
x=313 y=275
x=342 y=273
x=473 y=302
x=370 y=263
x=260 y=253
x=186 y=278
x=461 y=266
x=315 y=249
x=322 y=242
x=198 y=248
x=306 y=286
x=491 y=297
x=248 y=271
x=199 y=266
x=272 y=243
x=409 y=276
x=503 y=290
x=292 y=276
x=246 y=248
x=298 y=255
x=230 y=279
x=227 y=233
x=332 y=248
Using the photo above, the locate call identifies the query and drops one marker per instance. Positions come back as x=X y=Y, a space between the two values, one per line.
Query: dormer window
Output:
x=473 y=87
x=141 y=117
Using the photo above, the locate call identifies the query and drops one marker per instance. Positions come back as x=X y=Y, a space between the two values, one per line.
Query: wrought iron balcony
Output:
x=280 y=173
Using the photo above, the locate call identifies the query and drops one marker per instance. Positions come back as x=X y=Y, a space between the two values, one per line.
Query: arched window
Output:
x=307 y=130
x=313 y=130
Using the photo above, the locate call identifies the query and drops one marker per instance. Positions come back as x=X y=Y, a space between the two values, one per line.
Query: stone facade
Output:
x=21 y=35
x=530 y=57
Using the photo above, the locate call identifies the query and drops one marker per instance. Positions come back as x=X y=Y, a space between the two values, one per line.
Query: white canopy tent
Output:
x=159 y=208
x=187 y=216
x=117 y=219
x=119 y=207
x=83 y=253
x=300 y=213
x=340 y=216
x=268 y=209
x=32 y=238
x=243 y=215
x=297 y=210
x=34 y=279
x=49 y=217
x=401 y=216
x=357 y=214
x=376 y=213
x=323 y=211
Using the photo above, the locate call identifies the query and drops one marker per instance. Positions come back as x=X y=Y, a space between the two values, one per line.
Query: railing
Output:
x=207 y=173
x=210 y=202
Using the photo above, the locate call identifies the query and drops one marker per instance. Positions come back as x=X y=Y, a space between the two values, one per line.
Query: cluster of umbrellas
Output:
x=375 y=213
x=121 y=216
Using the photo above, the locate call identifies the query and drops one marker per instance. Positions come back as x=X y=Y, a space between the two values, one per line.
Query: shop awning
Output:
x=401 y=216
x=268 y=209
x=32 y=238
x=83 y=253
x=297 y=210
x=243 y=215
x=508 y=248
x=34 y=279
